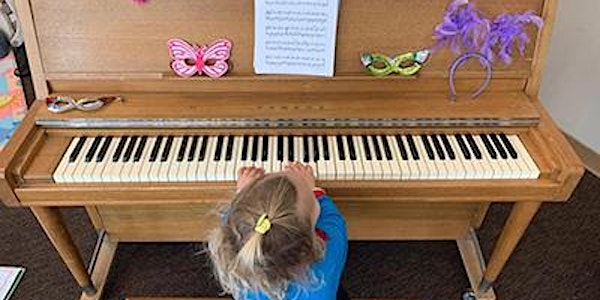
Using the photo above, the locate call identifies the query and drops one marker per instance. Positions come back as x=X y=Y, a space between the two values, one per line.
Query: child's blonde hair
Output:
x=245 y=260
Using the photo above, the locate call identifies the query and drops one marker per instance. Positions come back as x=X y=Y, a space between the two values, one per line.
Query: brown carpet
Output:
x=559 y=258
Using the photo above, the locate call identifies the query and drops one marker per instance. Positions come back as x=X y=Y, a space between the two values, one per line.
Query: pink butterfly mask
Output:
x=191 y=59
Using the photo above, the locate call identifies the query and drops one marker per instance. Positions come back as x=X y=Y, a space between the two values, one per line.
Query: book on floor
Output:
x=9 y=279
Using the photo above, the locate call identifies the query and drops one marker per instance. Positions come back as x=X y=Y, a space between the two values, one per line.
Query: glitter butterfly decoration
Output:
x=190 y=59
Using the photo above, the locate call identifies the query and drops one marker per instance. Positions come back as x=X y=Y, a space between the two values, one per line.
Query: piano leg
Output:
x=54 y=226
x=520 y=216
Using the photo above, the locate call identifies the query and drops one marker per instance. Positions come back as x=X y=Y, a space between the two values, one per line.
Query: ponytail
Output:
x=250 y=255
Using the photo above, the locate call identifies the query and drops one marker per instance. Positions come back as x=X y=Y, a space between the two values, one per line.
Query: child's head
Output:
x=247 y=259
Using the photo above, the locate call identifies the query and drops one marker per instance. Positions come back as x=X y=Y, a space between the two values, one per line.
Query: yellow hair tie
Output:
x=263 y=224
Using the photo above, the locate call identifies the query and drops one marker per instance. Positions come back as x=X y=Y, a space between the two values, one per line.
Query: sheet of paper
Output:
x=9 y=278
x=295 y=36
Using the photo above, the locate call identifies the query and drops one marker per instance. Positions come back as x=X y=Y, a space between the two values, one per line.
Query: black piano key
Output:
x=438 y=147
x=265 y=148
x=509 y=146
x=75 y=153
x=140 y=149
x=305 y=149
x=229 y=150
x=463 y=146
x=412 y=147
x=193 y=147
x=90 y=155
x=218 y=148
x=351 y=148
x=448 y=147
x=365 y=142
x=156 y=148
x=428 y=147
x=255 y=141
x=167 y=149
x=104 y=149
x=488 y=146
x=280 y=148
x=377 y=148
x=316 y=154
x=386 y=148
x=130 y=148
x=291 y=148
x=325 y=148
x=340 y=147
x=182 y=148
x=245 y=146
x=400 y=143
x=471 y=142
x=120 y=147
x=499 y=146
x=202 y=155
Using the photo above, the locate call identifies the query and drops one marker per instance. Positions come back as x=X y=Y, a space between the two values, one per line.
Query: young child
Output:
x=280 y=238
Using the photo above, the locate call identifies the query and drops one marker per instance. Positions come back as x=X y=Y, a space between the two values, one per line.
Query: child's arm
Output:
x=333 y=224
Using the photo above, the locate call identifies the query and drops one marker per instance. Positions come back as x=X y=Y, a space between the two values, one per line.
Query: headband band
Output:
x=460 y=61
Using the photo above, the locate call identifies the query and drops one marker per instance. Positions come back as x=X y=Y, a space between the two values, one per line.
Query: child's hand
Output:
x=247 y=175
x=305 y=172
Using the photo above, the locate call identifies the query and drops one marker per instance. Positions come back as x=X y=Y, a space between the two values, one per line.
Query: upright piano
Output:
x=401 y=161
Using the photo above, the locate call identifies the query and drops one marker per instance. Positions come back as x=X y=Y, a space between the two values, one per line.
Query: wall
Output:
x=571 y=83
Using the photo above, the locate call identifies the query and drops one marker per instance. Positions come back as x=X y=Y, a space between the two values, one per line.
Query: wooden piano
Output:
x=401 y=160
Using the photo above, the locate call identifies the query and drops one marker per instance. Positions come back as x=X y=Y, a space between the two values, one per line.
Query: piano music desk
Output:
x=93 y=47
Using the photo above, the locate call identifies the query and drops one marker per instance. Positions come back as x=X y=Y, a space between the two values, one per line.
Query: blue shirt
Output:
x=329 y=269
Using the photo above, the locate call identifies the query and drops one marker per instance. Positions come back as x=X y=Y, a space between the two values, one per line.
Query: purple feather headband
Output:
x=465 y=29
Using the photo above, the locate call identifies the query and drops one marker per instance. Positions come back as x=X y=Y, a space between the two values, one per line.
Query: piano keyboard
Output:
x=342 y=157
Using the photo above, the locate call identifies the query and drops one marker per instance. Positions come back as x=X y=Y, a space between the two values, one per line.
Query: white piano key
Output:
x=176 y=173
x=86 y=175
x=137 y=170
x=481 y=165
x=377 y=166
x=340 y=169
x=127 y=166
x=328 y=172
x=399 y=166
x=524 y=169
x=358 y=165
x=367 y=164
x=298 y=153
x=417 y=167
x=59 y=173
x=452 y=169
x=230 y=169
x=81 y=164
x=311 y=155
x=489 y=164
x=503 y=163
x=321 y=167
x=534 y=171
x=100 y=171
x=238 y=156
x=387 y=171
x=429 y=169
x=440 y=165
x=460 y=166
x=165 y=167
x=216 y=167
x=192 y=165
x=349 y=165
x=205 y=169
x=211 y=163
x=155 y=166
